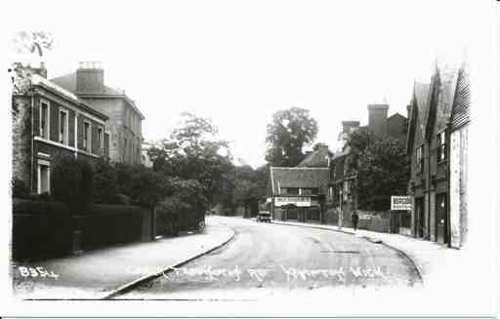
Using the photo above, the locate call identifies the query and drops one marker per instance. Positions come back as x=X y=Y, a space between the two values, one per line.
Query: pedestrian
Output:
x=355 y=218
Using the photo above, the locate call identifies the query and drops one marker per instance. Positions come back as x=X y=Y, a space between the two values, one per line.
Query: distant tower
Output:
x=377 y=116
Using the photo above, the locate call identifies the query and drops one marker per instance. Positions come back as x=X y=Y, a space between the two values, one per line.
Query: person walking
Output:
x=355 y=218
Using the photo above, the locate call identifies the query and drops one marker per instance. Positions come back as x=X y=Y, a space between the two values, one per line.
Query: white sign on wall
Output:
x=304 y=201
x=401 y=203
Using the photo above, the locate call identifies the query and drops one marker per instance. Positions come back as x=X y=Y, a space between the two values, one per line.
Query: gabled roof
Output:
x=37 y=80
x=394 y=116
x=419 y=108
x=460 y=113
x=444 y=83
x=319 y=158
x=299 y=177
x=68 y=82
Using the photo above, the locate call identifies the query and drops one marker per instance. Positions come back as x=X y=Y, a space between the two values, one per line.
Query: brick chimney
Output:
x=38 y=68
x=90 y=78
x=377 y=114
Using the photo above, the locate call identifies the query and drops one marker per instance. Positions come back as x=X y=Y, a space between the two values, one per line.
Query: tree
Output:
x=73 y=182
x=106 y=183
x=34 y=45
x=144 y=186
x=247 y=191
x=193 y=152
x=381 y=169
x=289 y=132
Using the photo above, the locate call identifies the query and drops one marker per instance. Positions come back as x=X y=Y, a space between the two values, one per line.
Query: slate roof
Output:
x=299 y=177
x=40 y=81
x=68 y=82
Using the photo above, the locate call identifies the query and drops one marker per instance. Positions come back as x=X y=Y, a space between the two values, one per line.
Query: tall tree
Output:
x=289 y=132
x=194 y=152
x=381 y=167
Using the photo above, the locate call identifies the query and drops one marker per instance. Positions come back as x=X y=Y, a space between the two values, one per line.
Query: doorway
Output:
x=419 y=217
x=441 y=218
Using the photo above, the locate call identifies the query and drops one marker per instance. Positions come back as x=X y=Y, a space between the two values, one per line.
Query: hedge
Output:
x=104 y=225
x=40 y=230
x=45 y=229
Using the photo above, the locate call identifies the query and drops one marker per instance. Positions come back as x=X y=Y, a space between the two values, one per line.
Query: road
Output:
x=265 y=259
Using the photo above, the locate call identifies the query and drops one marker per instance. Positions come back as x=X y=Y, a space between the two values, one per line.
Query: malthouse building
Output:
x=298 y=193
x=49 y=121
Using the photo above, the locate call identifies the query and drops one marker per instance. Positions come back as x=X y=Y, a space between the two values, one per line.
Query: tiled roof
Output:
x=299 y=177
x=318 y=158
x=421 y=93
x=460 y=114
x=449 y=77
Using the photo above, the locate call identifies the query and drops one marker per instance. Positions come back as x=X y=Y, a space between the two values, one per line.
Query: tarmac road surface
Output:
x=266 y=259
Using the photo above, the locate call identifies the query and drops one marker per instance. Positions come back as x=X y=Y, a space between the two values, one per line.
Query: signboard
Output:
x=304 y=201
x=401 y=203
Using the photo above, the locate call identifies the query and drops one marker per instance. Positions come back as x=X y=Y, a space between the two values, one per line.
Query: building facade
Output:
x=49 y=121
x=459 y=141
x=433 y=108
x=298 y=193
x=124 y=124
x=343 y=199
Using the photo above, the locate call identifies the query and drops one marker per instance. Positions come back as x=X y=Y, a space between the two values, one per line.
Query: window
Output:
x=44 y=119
x=63 y=126
x=347 y=190
x=100 y=139
x=419 y=159
x=87 y=136
x=310 y=191
x=43 y=177
x=441 y=147
x=289 y=190
x=125 y=148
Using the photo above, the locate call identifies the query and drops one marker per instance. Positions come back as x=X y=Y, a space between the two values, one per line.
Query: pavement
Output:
x=104 y=273
x=435 y=262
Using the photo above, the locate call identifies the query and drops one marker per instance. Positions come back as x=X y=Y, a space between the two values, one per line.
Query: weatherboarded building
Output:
x=437 y=146
x=298 y=193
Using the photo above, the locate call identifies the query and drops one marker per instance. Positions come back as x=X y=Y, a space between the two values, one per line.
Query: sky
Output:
x=238 y=62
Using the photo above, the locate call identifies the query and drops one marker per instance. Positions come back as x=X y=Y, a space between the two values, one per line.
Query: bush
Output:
x=73 y=182
x=44 y=229
x=104 y=225
x=105 y=184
